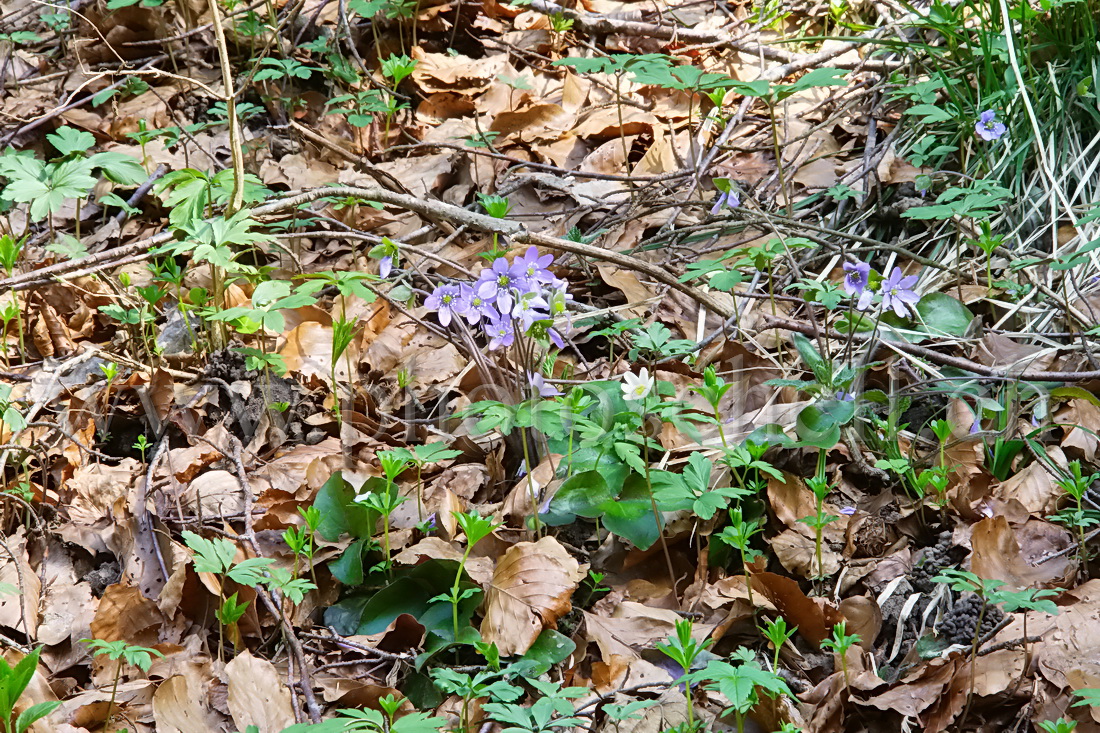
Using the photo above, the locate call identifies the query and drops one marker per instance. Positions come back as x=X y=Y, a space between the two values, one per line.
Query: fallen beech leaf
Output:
x=124 y=614
x=637 y=294
x=1073 y=641
x=996 y=556
x=1033 y=486
x=177 y=707
x=530 y=591
x=918 y=691
x=798 y=554
x=19 y=611
x=814 y=617
x=257 y=695
x=864 y=618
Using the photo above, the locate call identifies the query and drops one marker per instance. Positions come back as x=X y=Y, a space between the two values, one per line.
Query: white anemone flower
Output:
x=636 y=387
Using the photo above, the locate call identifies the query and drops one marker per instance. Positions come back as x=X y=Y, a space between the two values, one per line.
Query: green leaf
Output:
x=340 y=513
x=943 y=315
x=348 y=568
x=821 y=369
x=13 y=680
x=249 y=571
x=550 y=648
x=211 y=556
x=582 y=494
x=818 y=424
x=631 y=514
x=34 y=713
x=120 y=168
x=417 y=722
x=69 y=140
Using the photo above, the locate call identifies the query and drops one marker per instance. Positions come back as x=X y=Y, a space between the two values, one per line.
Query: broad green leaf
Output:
x=69 y=140
x=631 y=514
x=340 y=514
x=120 y=168
x=942 y=314
x=550 y=648
x=582 y=494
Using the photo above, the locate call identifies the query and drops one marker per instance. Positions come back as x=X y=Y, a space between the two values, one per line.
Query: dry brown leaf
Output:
x=864 y=618
x=307 y=350
x=1085 y=419
x=124 y=614
x=19 y=611
x=257 y=694
x=996 y=555
x=798 y=554
x=622 y=638
x=917 y=692
x=998 y=350
x=214 y=493
x=440 y=72
x=531 y=588
x=1073 y=641
x=637 y=293
x=67 y=605
x=814 y=617
x=480 y=569
x=177 y=707
x=792 y=501
x=1033 y=487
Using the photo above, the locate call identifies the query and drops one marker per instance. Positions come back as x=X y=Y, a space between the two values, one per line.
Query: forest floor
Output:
x=621 y=367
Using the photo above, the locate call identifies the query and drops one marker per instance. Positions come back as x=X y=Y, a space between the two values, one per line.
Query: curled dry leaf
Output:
x=530 y=591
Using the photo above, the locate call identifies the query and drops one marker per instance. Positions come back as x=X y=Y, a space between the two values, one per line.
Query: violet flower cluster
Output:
x=505 y=296
x=895 y=288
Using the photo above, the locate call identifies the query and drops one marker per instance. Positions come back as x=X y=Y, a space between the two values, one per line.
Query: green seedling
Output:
x=476 y=528
x=121 y=653
x=684 y=650
x=778 y=634
x=840 y=643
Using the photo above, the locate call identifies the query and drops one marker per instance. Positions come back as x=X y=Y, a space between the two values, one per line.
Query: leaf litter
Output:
x=239 y=434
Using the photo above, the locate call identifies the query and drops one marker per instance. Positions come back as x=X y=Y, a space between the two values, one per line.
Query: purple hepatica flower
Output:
x=448 y=301
x=500 y=332
x=855 y=283
x=726 y=199
x=477 y=308
x=976 y=426
x=897 y=292
x=989 y=127
x=847 y=510
x=534 y=267
x=384 y=266
x=498 y=283
x=845 y=396
x=530 y=308
x=540 y=388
